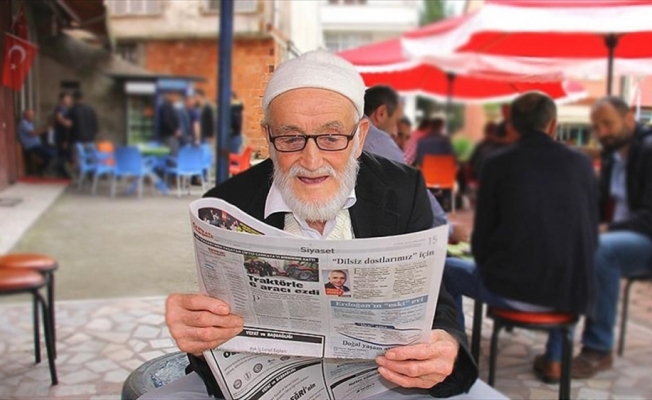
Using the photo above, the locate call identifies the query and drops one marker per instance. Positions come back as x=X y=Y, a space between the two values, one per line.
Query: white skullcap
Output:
x=317 y=69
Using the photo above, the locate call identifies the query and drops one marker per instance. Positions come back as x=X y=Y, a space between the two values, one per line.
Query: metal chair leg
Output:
x=49 y=280
x=476 y=334
x=493 y=352
x=567 y=359
x=623 y=317
x=37 y=331
x=49 y=339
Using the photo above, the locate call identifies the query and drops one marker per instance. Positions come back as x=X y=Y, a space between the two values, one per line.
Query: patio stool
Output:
x=623 y=315
x=24 y=281
x=39 y=263
x=154 y=373
x=545 y=321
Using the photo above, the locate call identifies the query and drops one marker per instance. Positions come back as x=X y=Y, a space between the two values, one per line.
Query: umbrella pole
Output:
x=611 y=41
x=450 y=77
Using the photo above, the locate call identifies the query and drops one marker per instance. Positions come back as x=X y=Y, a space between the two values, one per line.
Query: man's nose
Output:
x=311 y=157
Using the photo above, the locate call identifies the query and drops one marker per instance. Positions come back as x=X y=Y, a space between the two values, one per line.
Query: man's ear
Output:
x=362 y=131
x=379 y=115
x=552 y=129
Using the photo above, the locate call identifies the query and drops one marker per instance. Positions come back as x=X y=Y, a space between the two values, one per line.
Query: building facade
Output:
x=351 y=23
x=180 y=37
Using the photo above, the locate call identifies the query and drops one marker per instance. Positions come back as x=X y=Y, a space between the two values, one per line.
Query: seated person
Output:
x=535 y=229
x=434 y=143
x=323 y=186
x=625 y=247
x=31 y=141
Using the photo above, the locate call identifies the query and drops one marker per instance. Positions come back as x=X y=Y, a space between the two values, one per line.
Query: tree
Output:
x=433 y=11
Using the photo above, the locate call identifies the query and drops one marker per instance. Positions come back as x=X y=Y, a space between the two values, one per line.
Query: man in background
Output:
x=62 y=139
x=206 y=117
x=169 y=126
x=434 y=143
x=31 y=141
x=235 y=138
x=403 y=132
x=535 y=230
x=625 y=247
x=83 y=119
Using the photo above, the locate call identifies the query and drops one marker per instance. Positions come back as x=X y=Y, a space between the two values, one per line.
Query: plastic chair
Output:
x=207 y=160
x=130 y=163
x=85 y=162
x=439 y=173
x=537 y=321
x=625 y=309
x=240 y=162
x=24 y=281
x=188 y=163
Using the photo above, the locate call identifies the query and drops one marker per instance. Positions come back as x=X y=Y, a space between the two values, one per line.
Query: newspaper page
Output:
x=312 y=298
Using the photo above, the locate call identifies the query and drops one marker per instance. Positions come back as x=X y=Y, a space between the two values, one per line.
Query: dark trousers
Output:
x=45 y=154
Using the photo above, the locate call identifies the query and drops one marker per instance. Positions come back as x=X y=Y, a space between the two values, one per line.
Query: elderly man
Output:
x=319 y=184
x=626 y=233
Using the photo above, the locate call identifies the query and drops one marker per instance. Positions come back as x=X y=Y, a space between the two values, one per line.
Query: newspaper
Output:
x=306 y=302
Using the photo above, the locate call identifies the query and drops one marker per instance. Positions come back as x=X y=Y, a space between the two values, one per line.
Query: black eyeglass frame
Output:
x=305 y=138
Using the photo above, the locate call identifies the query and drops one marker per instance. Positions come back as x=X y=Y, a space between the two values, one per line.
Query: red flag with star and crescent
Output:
x=18 y=58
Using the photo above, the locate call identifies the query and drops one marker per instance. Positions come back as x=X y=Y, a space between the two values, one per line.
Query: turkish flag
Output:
x=18 y=57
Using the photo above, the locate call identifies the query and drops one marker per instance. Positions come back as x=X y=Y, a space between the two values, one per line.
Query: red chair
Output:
x=545 y=321
x=240 y=162
x=440 y=173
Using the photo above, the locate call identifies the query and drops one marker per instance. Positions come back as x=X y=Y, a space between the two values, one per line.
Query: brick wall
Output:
x=253 y=62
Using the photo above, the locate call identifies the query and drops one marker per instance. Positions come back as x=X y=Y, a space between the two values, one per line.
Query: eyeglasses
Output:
x=325 y=142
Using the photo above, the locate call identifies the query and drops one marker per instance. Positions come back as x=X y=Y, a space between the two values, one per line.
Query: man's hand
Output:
x=459 y=234
x=420 y=365
x=198 y=322
x=603 y=228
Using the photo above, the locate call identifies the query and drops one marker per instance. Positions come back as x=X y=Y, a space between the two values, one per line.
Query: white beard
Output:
x=323 y=209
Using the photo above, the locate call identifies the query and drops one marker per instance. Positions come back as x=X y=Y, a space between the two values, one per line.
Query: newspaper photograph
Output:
x=316 y=313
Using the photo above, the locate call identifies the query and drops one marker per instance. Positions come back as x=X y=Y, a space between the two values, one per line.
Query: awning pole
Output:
x=224 y=92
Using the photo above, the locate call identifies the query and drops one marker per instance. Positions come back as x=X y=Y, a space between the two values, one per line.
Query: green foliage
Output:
x=433 y=10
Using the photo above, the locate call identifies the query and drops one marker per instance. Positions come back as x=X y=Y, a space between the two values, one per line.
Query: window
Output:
x=241 y=6
x=135 y=7
x=338 y=41
x=128 y=52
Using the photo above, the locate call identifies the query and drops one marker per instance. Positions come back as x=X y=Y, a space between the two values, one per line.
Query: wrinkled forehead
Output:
x=312 y=103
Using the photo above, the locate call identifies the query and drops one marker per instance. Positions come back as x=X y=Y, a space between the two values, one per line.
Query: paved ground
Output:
x=116 y=247
x=119 y=257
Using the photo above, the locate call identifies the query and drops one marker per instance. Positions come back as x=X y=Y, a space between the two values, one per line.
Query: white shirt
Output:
x=337 y=228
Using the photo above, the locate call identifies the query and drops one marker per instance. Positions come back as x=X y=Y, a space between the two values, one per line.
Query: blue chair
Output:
x=103 y=165
x=188 y=163
x=85 y=163
x=208 y=161
x=130 y=163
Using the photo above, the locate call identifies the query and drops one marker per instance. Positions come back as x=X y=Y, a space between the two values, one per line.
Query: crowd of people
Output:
x=190 y=119
x=72 y=121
